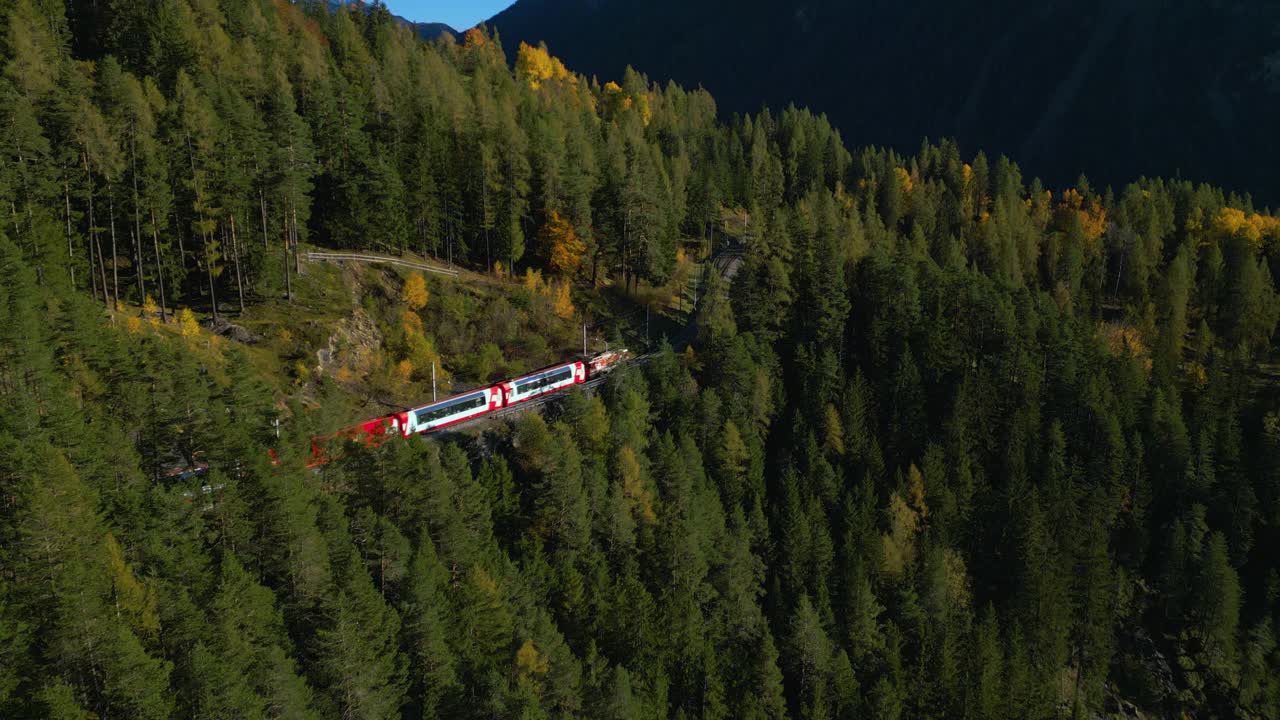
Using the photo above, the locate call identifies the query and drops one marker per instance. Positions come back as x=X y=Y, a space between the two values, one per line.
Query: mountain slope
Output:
x=425 y=30
x=1121 y=89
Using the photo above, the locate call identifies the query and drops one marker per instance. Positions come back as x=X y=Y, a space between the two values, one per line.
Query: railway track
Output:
x=726 y=263
x=312 y=256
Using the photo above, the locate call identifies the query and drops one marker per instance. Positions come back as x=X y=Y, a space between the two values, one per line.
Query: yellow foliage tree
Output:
x=907 y=512
x=419 y=350
x=904 y=180
x=614 y=100
x=633 y=486
x=151 y=310
x=529 y=660
x=899 y=543
x=1092 y=217
x=535 y=65
x=563 y=246
x=133 y=598
x=563 y=304
x=834 y=431
x=474 y=38
x=533 y=281
x=1124 y=340
x=530 y=663
x=415 y=294
x=188 y=326
x=404 y=370
x=1257 y=229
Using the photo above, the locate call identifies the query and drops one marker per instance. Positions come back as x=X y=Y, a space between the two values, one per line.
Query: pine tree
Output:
x=432 y=664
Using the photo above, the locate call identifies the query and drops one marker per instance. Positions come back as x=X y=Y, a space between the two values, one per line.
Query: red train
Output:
x=473 y=404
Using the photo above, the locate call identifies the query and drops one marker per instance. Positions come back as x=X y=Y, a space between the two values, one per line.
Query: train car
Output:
x=607 y=361
x=447 y=412
x=543 y=382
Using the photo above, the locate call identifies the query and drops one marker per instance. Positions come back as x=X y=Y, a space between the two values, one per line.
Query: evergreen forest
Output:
x=950 y=444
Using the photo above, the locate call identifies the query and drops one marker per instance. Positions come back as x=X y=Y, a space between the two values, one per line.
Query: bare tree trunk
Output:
x=484 y=210
x=155 y=244
x=102 y=271
x=262 y=205
x=137 y=218
x=115 y=266
x=137 y=258
x=204 y=233
x=235 y=250
x=208 y=268
x=71 y=253
x=182 y=245
x=297 y=260
x=288 y=276
x=93 y=232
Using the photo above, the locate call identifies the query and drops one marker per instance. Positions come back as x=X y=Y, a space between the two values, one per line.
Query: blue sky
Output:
x=459 y=14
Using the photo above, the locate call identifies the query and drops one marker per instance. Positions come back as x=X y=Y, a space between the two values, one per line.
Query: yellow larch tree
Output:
x=907 y=512
x=415 y=294
x=150 y=310
x=535 y=65
x=1091 y=214
x=1258 y=230
x=188 y=326
x=562 y=305
x=905 y=183
x=565 y=250
x=633 y=486
x=133 y=598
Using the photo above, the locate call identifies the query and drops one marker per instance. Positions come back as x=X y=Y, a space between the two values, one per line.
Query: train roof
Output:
x=543 y=371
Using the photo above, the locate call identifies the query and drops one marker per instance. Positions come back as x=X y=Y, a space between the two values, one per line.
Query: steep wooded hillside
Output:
x=953 y=444
x=1112 y=89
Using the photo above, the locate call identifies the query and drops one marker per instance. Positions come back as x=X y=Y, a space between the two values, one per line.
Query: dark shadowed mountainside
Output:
x=1118 y=89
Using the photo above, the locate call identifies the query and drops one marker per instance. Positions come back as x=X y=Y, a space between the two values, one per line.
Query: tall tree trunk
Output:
x=288 y=275
x=182 y=244
x=17 y=230
x=235 y=251
x=262 y=206
x=115 y=265
x=137 y=217
x=155 y=244
x=297 y=259
x=484 y=220
x=208 y=268
x=102 y=271
x=35 y=249
x=71 y=252
x=204 y=233
x=136 y=244
x=93 y=231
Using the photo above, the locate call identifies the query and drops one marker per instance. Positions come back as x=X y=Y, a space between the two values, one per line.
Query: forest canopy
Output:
x=951 y=443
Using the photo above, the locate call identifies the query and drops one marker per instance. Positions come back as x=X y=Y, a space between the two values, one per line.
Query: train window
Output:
x=541 y=381
x=429 y=415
